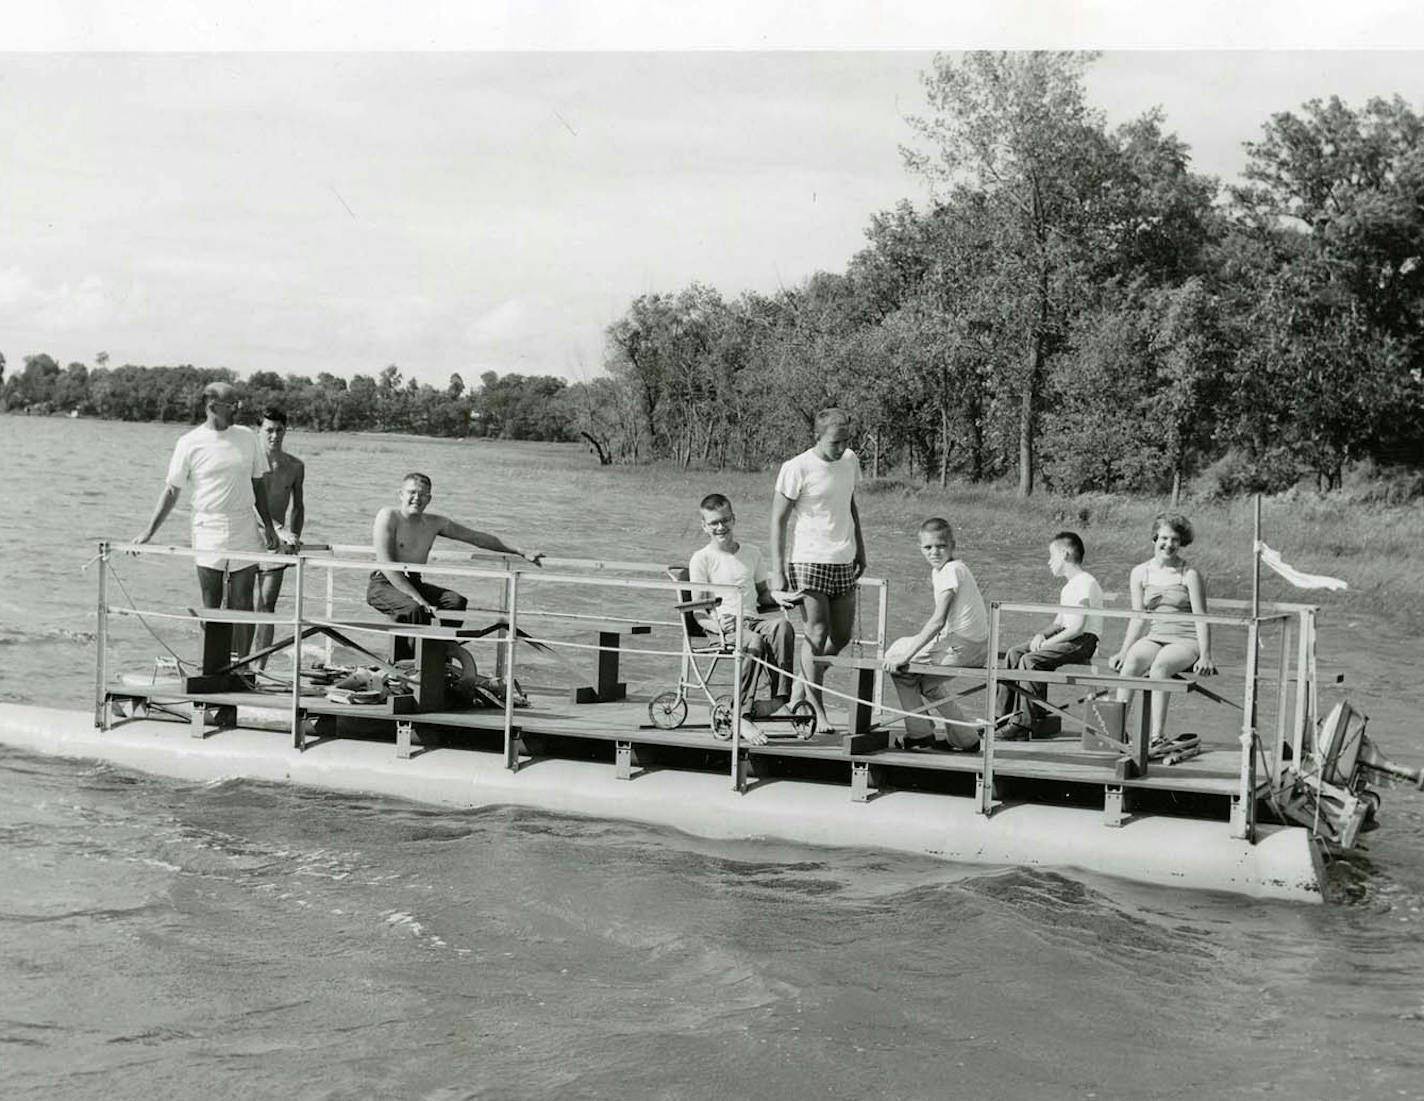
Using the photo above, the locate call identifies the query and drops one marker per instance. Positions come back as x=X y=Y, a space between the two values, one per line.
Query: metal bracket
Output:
x=623 y=760
x=1240 y=827
x=1115 y=803
x=981 y=805
x=405 y=730
x=862 y=781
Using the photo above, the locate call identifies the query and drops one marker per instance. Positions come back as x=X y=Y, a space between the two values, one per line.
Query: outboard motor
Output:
x=1334 y=799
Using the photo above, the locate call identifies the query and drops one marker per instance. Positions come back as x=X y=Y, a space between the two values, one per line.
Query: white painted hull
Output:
x=1174 y=852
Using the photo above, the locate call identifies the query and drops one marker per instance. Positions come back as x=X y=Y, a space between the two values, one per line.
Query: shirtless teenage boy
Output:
x=405 y=534
x=285 y=483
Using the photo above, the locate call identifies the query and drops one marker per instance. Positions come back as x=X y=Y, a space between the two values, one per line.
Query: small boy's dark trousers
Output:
x=1021 y=695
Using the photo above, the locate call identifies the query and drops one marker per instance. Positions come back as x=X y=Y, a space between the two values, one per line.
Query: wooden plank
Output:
x=1215 y=772
x=1173 y=685
x=408 y=630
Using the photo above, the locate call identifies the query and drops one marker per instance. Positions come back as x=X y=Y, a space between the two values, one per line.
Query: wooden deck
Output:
x=1216 y=772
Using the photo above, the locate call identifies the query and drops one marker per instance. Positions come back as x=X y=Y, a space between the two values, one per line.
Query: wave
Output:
x=21 y=636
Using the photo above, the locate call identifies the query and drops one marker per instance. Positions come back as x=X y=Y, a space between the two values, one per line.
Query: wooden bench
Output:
x=607 y=688
x=864 y=737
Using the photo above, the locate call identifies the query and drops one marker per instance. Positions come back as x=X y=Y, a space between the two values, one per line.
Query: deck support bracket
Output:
x=981 y=804
x=1115 y=805
x=864 y=780
x=405 y=730
x=1240 y=827
x=623 y=760
x=747 y=767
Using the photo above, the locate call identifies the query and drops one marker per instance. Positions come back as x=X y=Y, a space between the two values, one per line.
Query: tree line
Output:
x=517 y=407
x=1075 y=307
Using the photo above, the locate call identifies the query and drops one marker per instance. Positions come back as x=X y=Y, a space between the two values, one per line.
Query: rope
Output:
x=975 y=724
x=133 y=607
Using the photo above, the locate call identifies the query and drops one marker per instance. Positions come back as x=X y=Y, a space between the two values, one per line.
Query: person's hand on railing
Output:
x=1204 y=666
x=534 y=557
x=1115 y=662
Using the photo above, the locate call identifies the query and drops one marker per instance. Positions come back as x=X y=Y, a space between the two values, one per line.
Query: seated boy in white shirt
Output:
x=724 y=561
x=956 y=633
x=1071 y=639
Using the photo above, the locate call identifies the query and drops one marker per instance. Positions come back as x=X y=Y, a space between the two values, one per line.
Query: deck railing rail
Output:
x=1295 y=724
x=596 y=575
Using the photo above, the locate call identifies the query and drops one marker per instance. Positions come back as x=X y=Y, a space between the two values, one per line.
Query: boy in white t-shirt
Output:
x=1069 y=640
x=817 y=548
x=724 y=561
x=956 y=633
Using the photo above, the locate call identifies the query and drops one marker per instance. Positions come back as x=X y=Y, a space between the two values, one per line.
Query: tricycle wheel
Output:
x=803 y=720
x=722 y=718
x=667 y=710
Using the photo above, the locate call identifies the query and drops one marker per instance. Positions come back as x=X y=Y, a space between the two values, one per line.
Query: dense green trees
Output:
x=508 y=407
x=1075 y=304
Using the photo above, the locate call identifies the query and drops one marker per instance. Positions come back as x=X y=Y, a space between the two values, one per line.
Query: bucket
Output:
x=1108 y=715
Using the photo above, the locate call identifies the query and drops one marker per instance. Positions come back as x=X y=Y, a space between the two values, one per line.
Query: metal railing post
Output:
x=506 y=610
x=511 y=750
x=882 y=612
x=1282 y=706
x=737 y=660
x=101 y=633
x=1244 y=821
x=1302 y=688
x=1312 y=704
x=297 y=739
x=986 y=779
x=330 y=612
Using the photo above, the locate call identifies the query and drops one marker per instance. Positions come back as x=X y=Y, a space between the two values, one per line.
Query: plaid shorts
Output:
x=831 y=578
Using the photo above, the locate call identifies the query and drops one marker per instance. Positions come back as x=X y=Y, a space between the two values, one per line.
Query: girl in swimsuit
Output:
x=1165 y=583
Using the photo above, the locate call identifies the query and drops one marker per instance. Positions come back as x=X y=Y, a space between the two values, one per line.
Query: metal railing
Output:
x=445 y=563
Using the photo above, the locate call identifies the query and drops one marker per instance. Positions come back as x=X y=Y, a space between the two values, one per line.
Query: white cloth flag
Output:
x=1296 y=577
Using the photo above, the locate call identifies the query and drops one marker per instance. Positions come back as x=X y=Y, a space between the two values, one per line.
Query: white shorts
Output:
x=222 y=537
x=955 y=650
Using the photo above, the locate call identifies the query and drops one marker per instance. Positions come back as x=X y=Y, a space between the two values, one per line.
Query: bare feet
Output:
x=751 y=733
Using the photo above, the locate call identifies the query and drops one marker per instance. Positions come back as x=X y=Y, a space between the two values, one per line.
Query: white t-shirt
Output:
x=822 y=529
x=1084 y=591
x=221 y=467
x=744 y=568
x=968 y=619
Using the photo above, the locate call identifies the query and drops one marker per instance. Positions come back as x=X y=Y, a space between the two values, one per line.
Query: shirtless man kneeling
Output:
x=405 y=534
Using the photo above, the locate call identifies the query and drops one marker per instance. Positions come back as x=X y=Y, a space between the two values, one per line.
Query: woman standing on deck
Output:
x=825 y=555
x=1165 y=583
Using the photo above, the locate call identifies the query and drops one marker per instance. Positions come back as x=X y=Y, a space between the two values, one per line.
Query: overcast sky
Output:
x=472 y=212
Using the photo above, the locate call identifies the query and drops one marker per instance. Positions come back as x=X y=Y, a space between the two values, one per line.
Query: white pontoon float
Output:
x=1256 y=815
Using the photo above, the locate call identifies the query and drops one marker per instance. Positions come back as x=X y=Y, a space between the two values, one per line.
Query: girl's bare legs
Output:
x=1160 y=662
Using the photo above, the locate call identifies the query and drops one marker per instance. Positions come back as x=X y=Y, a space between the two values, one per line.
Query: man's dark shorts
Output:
x=390 y=601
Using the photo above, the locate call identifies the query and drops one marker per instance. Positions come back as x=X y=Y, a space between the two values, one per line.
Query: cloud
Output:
x=60 y=308
x=513 y=321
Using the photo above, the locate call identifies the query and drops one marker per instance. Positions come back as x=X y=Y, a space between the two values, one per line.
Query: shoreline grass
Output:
x=1377 y=548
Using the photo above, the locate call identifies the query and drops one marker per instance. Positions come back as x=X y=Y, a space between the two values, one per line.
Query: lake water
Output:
x=163 y=939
